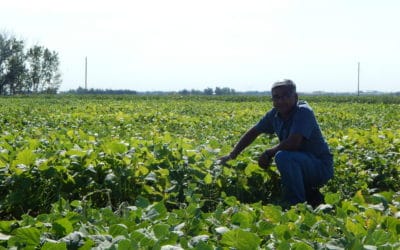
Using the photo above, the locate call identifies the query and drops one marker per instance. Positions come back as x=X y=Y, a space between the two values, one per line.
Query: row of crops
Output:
x=140 y=172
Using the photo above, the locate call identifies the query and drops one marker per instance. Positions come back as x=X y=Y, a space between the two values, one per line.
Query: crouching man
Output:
x=302 y=156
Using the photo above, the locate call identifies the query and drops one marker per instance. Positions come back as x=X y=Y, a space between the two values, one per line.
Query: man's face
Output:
x=284 y=99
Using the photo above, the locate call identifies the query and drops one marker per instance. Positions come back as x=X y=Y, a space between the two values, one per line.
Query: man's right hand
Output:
x=264 y=161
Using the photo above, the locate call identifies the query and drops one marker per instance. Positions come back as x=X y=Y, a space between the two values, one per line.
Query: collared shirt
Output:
x=301 y=121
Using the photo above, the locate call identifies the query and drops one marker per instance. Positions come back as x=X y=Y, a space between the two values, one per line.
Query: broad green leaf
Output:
x=284 y=245
x=26 y=157
x=142 y=239
x=332 y=198
x=359 y=198
x=250 y=169
x=142 y=202
x=282 y=232
x=377 y=238
x=27 y=235
x=240 y=239
x=127 y=244
x=309 y=219
x=355 y=228
x=265 y=228
x=118 y=229
x=243 y=219
x=54 y=246
x=114 y=147
x=6 y=226
x=301 y=246
x=155 y=211
x=272 y=213
x=71 y=133
x=62 y=227
x=208 y=179
x=231 y=201
x=161 y=230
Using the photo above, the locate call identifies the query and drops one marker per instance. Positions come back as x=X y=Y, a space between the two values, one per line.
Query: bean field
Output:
x=141 y=172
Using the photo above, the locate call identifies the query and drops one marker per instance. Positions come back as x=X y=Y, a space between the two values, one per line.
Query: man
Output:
x=302 y=156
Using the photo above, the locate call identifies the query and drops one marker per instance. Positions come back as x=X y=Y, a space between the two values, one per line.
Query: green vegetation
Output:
x=140 y=172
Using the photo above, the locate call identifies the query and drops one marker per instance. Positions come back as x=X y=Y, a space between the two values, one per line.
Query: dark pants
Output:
x=301 y=174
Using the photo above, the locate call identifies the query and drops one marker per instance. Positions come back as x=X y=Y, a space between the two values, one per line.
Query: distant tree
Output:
x=196 y=92
x=91 y=91
x=51 y=74
x=34 y=58
x=184 y=92
x=208 y=91
x=36 y=70
x=224 y=91
x=12 y=66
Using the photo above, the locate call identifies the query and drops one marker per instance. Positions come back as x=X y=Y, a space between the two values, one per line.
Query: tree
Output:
x=34 y=56
x=208 y=91
x=51 y=75
x=43 y=74
x=12 y=64
x=36 y=70
x=224 y=91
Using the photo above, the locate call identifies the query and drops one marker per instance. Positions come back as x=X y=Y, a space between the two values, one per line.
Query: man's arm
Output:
x=292 y=143
x=244 y=141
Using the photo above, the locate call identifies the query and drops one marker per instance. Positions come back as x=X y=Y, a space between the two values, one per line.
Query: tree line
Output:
x=27 y=70
x=207 y=91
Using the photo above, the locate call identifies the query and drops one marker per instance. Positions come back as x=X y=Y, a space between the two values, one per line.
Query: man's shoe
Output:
x=314 y=197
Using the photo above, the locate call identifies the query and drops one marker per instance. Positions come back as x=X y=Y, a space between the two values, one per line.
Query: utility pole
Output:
x=85 y=73
x=358 y=79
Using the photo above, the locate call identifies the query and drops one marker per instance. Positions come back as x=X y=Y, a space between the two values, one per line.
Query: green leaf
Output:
x=118 y=229
x=127 y=244
x=27 y=235
x=243 y=219
x=114 y=147
x=6 y=226
x=332 y=198
x=62 y=227
x=161 y=230
x=250 y=169
x=231 y=201
x=155 y=211
x=54 y=246
x=272 y=213
x=208 y=179
x=26 y=157
x=240 y=239
x=377 y=238
x=301 y=246
x=283 y=245
x=359 y=198
x=142 y=202
x=282 y=232
x=142 y=239
x=355 y=228
x=265 y=228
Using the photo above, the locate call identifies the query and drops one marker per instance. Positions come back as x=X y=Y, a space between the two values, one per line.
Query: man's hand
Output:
x=264 y=161
x=224 y=159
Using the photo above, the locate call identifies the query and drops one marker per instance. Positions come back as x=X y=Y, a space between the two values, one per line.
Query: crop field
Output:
x=141 y=172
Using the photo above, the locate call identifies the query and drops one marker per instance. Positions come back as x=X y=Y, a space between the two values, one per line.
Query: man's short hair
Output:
x=289 y=83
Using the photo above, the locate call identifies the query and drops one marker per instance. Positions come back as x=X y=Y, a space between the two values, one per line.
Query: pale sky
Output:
x=169 y=45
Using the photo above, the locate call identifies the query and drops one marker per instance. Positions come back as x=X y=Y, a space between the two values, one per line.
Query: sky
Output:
x=159 y=45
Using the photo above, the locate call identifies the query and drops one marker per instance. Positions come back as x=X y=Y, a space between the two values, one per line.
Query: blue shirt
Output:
x=301 y=121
